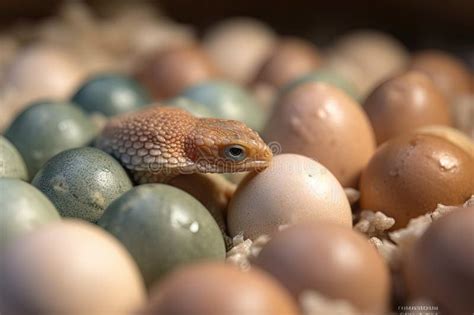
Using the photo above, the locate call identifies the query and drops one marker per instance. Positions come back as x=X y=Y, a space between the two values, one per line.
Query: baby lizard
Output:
x=158 y=143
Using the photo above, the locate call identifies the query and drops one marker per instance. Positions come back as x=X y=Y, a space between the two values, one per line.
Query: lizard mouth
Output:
x=234 y=167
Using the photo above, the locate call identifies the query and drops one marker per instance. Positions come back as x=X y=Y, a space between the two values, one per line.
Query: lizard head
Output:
x=227 y=146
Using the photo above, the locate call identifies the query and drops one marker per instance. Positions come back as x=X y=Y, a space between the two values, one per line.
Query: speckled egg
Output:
x=163 y=227
x=229 y=101
x=47 y=128
x=324 y=76
x=448 y=73
x=290 y=59
x=335 y=261
x=82 y=182
x=439 y=266
x=23 y=209
x=171 y=70
x=11 y=162
x=322 y=122
x=69 y=267
x=293 y=189
x=197 y=109
x=111 y=94
x=405 y=102
x=218 y=288
x=409 y=175
x=225 y=41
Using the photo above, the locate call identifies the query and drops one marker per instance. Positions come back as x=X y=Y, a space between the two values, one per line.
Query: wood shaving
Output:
x=244 y=250
x=353 y=195
x=314 y=303
x=374 y=224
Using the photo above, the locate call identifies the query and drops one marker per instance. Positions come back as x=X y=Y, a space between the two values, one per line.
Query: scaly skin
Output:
x=159 y=143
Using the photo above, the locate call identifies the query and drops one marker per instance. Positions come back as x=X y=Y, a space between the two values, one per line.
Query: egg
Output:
x=163 y=227
x=322 y=122
x=452 y=135
x=439 y=266
x=378 y=55
x=218 y=288
x=228 y=101
x=405 y=102
x=327 y=258
x=409 y=175
x=47 y=128
x=325 y=76
x=111 y=94
x=169 y=71
x=11 y=162
x=290 y=58
x=82 y=182
x=238 y=46
x=69 y=267
x=195 y=108
x=448 y=73
x=26 y=73
x=293 y=189
x=23 y=209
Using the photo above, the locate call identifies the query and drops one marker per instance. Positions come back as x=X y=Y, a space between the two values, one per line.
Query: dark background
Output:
x=447 y=24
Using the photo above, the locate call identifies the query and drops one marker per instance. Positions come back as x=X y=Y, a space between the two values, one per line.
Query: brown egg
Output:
x=322 y=122
x=290 y=59
x=219 y=288
x=171 y=70
x=448 y=73
x=452 y=135
x=69 y=267
x=409 y=175
x=293 y=189
x=378 y=55
x=332 y=260
x=238 y=46
x=44 y=71
x=440 y=265
x=405 y=102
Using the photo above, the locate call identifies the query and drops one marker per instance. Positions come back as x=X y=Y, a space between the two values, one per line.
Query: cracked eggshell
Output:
x=322 y=122
x=293 y=189
x=409 y=175
x=69 y=267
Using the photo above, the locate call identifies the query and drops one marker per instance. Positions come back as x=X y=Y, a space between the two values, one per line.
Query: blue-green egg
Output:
x=326 y=77
x=111 y=94
x=23 y=208
x=163 y=227
x=47 y=128
x=11 y=162
x=196 y=109
x=229 y=101
x=82 y=182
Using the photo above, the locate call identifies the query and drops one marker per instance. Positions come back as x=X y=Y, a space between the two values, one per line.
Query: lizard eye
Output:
x=235 y=152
